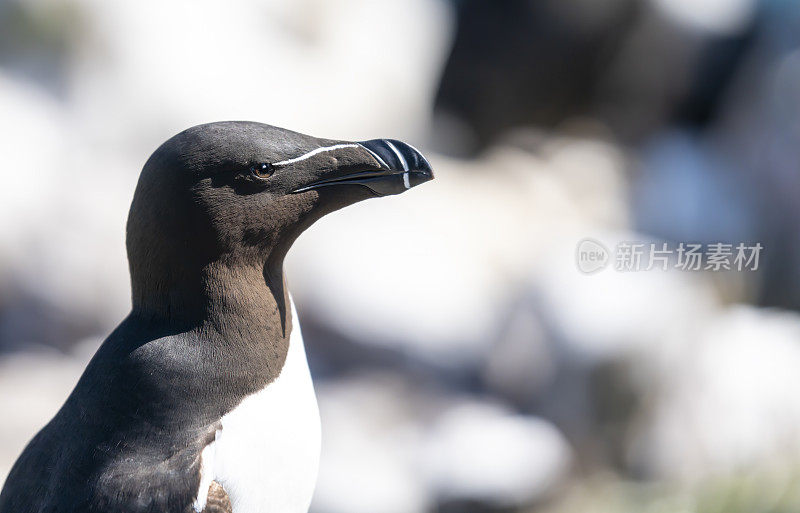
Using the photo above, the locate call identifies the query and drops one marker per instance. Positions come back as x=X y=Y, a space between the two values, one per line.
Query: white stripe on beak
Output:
x=402 y=159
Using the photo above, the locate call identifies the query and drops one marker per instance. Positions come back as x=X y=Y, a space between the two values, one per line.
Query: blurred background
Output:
x=462 y=361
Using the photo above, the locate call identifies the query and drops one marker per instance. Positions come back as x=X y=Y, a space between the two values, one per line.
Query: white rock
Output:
x=729 y=401
x=318 y=67
x=481 y=452
x=718 y=17
x=369 y=440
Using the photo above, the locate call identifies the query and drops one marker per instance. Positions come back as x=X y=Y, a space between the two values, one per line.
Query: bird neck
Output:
x=220 y=295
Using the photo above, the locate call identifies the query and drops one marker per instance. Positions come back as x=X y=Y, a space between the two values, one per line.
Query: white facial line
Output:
x=406 y=180
x=314 y=152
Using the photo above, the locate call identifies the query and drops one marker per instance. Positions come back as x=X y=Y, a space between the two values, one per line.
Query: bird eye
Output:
x=261 y=171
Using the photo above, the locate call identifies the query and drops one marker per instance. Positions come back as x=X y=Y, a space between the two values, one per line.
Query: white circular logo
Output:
x=591 y=256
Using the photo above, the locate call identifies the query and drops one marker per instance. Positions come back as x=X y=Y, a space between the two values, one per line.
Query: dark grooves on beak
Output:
x=400 y=167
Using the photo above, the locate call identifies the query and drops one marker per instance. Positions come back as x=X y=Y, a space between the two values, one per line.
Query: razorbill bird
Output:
x=201 y=399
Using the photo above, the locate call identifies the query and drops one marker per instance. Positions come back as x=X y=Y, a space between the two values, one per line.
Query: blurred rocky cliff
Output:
x=463 y=362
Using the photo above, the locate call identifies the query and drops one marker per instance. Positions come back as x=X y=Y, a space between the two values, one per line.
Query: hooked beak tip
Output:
x=398 y=157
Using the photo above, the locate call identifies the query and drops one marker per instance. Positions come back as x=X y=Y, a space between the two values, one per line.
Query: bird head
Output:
x=237 y=195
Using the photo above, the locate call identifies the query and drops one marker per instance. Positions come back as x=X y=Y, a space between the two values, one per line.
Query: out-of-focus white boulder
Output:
x=480 y=452
x=717 y=17
x=579 y=349
x=614 y=313
x=728 y=400
x=62 y=214
x=370 y=438
x=390 y=445
x=323 y=67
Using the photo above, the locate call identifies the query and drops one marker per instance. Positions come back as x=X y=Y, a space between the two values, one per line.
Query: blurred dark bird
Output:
x=201 y=399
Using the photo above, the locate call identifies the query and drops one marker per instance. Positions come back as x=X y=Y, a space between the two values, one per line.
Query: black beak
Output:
x=399 y=168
